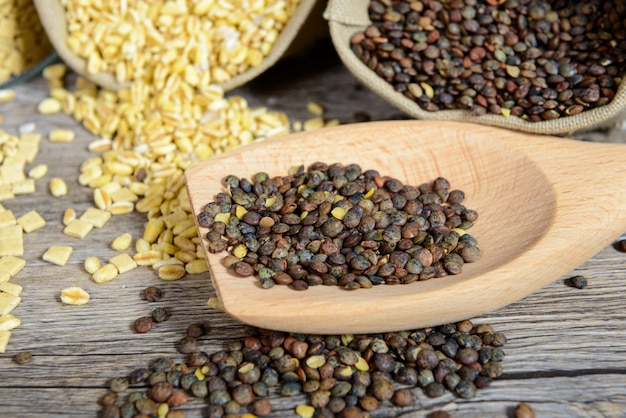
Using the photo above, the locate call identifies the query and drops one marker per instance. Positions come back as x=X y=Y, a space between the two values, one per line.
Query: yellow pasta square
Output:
x=31 y=221
x=12 y=247
x=26 y=153
x=11 y=240
x=4 y=276
x=31 y=139
x=96 y=217
x=7 y=218
x=58 y=254
x=12 y=172
x=25 y=186
x=5 y=336
x=123 y=262
x=78 y=228
x=9 y=322
x=8 y=302
x=11 y=264
x=6 y=191
x=11 y=288
x=10 y=232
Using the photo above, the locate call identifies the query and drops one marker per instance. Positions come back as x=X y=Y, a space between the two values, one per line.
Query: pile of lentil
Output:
x=539 y=60
x=342 y=375
x=339 y=225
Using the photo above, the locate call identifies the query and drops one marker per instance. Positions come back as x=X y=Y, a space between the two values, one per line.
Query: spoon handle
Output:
x=589 y=182
x=584 y=170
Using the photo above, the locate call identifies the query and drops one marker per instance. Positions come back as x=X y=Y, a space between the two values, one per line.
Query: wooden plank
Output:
x=566 y=353
x=566 y=399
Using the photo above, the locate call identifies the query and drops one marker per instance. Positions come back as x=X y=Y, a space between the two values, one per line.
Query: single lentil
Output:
x=152 y=294
x=579 y=282
x=187 y=345
x=439 y=414
x=195 y=330
x=23 y=357
x=143 y=324
x=160 y=315
x=524 y=410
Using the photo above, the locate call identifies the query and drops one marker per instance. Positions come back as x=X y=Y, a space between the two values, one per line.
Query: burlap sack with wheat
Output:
x=304 y=27
x=347 y=17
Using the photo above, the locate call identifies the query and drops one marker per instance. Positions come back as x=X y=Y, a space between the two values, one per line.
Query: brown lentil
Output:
x=109 y=398
x=143 y=324
x=579 y=282
x=119 y=384
x=537 y=60
x=152 y=294
x=146 y=406
x=524 y=410
x=195 y=330
x=161 y=391
x=177 y=399
x=187 y=345
x=337 y=224
x=439 y=414
x=262 y=407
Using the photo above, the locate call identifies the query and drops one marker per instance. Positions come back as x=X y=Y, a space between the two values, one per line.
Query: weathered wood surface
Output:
x=566 y=353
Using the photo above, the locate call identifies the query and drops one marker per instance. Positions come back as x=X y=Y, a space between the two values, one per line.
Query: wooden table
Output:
x=566 y=351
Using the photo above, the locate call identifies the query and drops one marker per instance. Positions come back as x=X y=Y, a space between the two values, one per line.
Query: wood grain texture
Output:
x=566 y=351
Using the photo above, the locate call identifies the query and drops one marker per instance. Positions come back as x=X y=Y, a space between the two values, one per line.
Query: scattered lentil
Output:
x=23 y=357
x=579 y=282
x=152 y=294
x=524 y=410
x=238 y=378
x=439 y=414
x=160 y=315
x=143 y=324
x=195 y=330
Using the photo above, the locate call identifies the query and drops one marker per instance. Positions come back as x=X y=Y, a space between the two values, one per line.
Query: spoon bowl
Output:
x=544 y=204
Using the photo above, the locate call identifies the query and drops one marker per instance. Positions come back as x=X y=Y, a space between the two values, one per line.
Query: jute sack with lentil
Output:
x=212 y=42
x=544 y=67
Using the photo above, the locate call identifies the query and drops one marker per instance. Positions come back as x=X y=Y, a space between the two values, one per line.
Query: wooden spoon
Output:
x=545 y=206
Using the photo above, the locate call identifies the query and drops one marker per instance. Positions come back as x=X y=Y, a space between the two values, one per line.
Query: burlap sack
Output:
x=304 y=22
x=347 y=17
